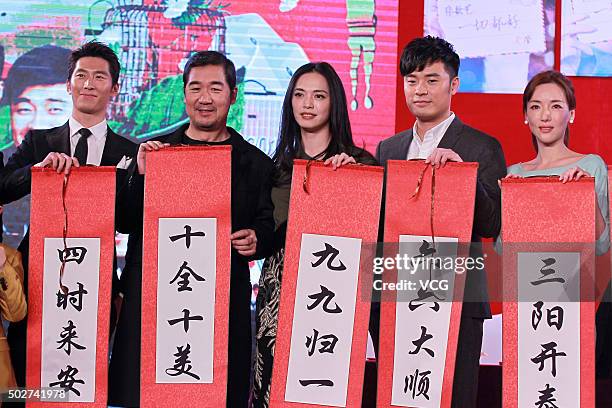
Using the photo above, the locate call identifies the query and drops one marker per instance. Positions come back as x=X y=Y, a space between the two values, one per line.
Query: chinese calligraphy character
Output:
x=546 y=399
x=330 y=253
x=75 y=297
x=187 y=236
x=425 y=250
x=328 y=342
x=417 y=384
x=72 y=254
x=554 y=316
x=185 y=319
x=182 y=364
x=549 y=350
x=183 y=284
x=424 y=294
x=67 y=380
x=320 y=383
x=67 y=336
x=326 y=295
x=546 y=271
x=419 y=343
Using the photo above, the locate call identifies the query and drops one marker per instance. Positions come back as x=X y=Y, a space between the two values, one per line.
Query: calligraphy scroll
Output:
x=416 y=363
x=548 y=235
x=186 y=276
x=323 y=323
x=68 y=328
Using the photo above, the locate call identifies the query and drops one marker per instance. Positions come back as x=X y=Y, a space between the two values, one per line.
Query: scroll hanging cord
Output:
x=306 y=181
x=431 y=214
x=64 y=288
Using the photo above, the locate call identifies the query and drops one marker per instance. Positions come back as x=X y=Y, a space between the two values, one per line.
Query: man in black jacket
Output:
x=210 y=89
x=93 y=75
x=430 y=69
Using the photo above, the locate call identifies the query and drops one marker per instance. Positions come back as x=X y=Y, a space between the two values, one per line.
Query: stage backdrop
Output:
x=266 y=39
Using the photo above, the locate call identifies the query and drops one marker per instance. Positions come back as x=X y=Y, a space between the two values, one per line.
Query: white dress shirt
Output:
x=95 y=142
x=422 y=149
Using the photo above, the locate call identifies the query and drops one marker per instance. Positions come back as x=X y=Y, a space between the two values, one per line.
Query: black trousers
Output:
x=467 y=363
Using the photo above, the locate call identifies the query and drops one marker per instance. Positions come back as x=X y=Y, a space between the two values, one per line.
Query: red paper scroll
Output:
x=341 y=203
x=453 y=209
x=90 y=206
x=542 y=215
x=186 y=182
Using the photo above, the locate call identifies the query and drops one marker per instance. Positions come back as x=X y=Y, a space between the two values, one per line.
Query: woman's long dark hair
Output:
x=290 y=137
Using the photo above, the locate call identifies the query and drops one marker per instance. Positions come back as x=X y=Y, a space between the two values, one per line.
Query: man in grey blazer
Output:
x=430 y=66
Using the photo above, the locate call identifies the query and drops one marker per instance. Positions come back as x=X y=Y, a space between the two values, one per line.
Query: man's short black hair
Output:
x=423 y=51
x=203 y=58
x=44 y=65
x=99 y=50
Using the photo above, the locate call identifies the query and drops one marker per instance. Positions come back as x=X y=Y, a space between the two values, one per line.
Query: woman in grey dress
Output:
x=549 y=105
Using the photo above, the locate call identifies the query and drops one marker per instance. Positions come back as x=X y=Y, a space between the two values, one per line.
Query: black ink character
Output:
x=546 y=399
x=328 y=343
x=422 y=295
x=75 y=297
x=419 y=343
x=187 y=236
x=417 y=384
x=183 y=284
x=185 y=319
x=72 y=254
x=330 y=253
x=326 y=294
x=182 y=364
x=549 y=350
x=554 y=316
x=545 y=271
x=320 y=383
x=67 y=380
x=67 y=335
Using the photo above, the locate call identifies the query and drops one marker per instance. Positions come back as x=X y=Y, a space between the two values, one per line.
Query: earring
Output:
x=526 y=122
x=571 y=120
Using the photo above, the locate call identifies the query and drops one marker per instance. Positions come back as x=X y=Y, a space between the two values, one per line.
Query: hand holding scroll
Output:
x=440 y=156
x=59 y=162
x=149 y=146
x=575 y=173
x=339 y=160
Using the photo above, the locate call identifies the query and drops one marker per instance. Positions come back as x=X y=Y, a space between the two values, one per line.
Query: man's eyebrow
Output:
x=56 y=100
x=21 y=99
x=97 y=71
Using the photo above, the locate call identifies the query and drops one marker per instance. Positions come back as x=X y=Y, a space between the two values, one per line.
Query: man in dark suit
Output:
x=93 y=75
x=210 y=89
x=430 y=66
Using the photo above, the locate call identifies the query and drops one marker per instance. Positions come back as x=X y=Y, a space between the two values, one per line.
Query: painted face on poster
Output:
x=186 y=300
x=323 y=317
x=422 y=319
x=70 y=318
x=548 y=328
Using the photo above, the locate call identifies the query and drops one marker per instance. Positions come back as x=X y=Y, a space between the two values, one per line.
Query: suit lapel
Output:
x=110 y=152
x=405 y=142
x=59 y=139
x=452 y=134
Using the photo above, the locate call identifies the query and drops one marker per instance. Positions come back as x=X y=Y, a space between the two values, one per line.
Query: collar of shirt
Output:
x=98 y=132
x=421 y=149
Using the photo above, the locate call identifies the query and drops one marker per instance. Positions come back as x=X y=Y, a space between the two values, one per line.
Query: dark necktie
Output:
x=80 y=152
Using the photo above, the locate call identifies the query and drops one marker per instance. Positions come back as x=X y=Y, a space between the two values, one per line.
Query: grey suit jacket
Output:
x=472 y=146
